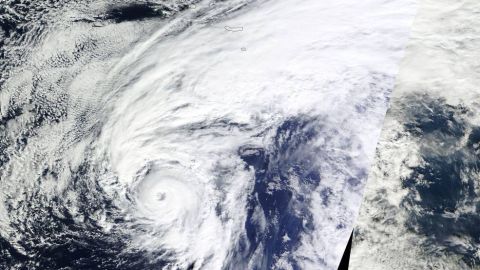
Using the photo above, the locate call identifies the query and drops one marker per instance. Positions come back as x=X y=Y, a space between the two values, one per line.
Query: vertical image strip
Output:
x=421 y=207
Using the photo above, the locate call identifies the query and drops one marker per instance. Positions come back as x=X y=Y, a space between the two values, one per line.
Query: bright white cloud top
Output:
x=187 y=143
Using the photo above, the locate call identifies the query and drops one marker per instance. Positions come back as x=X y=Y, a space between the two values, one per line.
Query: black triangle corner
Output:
x=346 y=255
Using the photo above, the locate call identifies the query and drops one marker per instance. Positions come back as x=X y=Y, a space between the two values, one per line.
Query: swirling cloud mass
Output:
x=192 y=135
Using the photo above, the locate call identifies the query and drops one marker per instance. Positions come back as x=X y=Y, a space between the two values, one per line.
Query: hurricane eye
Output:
x=161 y=196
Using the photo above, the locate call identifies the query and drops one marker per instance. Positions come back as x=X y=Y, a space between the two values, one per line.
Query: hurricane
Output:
x=193 y=134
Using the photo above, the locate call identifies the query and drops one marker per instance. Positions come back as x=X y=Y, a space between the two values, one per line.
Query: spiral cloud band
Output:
x=204 y=135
